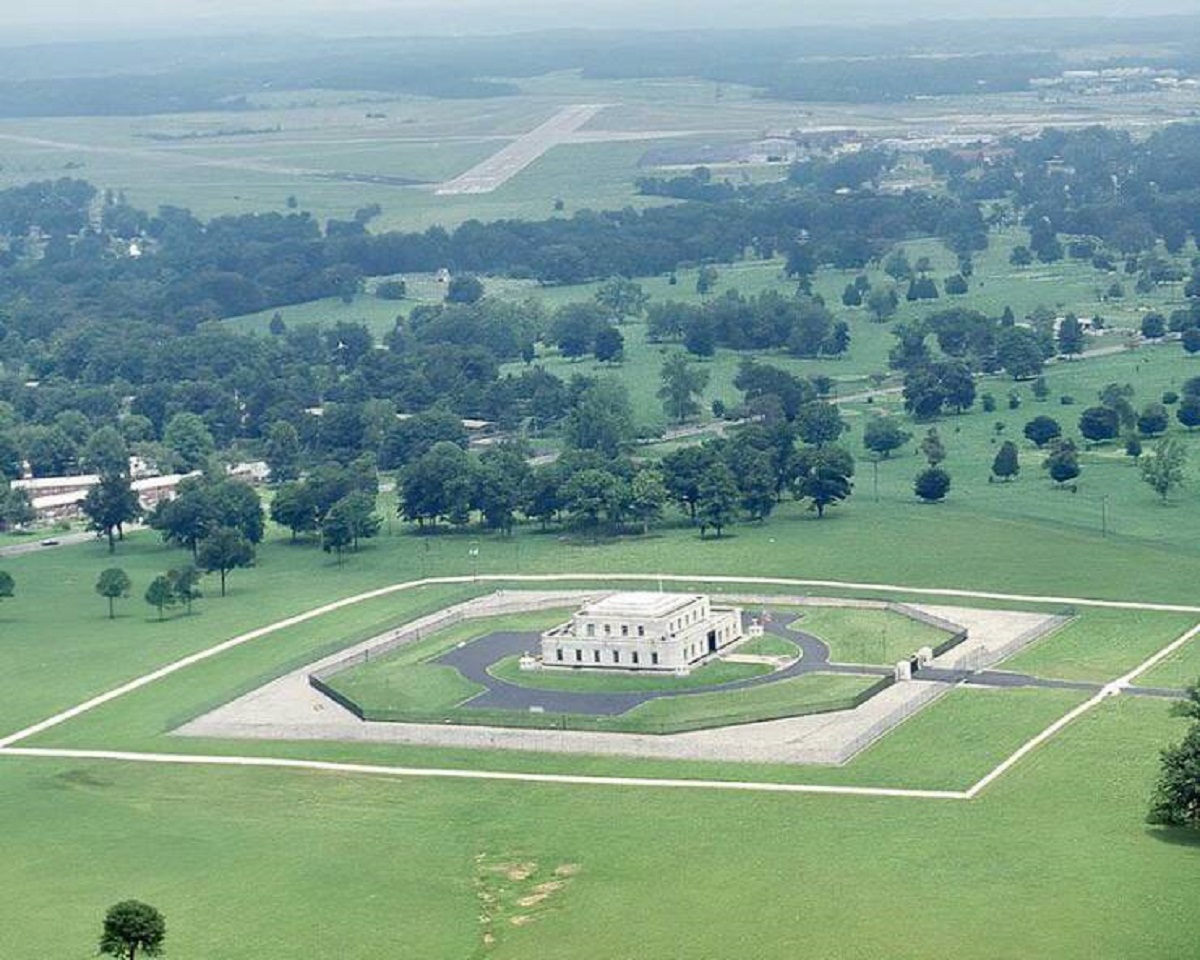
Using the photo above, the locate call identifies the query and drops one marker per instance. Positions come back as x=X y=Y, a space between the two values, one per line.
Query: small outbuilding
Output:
x=665 y=632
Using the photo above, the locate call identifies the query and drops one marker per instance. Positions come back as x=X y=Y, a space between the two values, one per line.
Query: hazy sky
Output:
x=80 y=18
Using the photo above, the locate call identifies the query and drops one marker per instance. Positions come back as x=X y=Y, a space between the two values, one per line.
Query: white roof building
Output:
x=670 y=632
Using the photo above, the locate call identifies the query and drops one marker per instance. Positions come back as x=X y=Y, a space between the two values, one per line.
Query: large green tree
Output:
x=132 y=929
x=822 y=476
x=223 y=551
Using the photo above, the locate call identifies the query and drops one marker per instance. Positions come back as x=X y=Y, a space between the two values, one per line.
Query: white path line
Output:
x=1109 y=690
x=202 y=655
x=183 y=759
x=6 y=744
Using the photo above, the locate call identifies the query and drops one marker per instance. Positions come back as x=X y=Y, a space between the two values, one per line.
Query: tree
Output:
x=185 y=582
x=897 y=266
x=1041 y=389
x=818 y=422
x=1154 y=326
x=647 y=497
x=852 y=296
x=601 y=419
x=111 y=504
x=132 y=928
x=1062 y=462
x=706 y=280
x=592 y=493
x=8 y=586
x=16 y=509
x=337 y=534
x=464 y=289
x=189 y=440
x=756 y=483
x=1070 y=336
x=294 y=506
x=282 y=451
x=609 y=346
x=1019 y=351
x=822 y=475
x=1163 y=469
x=223 y=551
x=358 y=510
x=1188 y=411
x=883 y=302
x=1007 y=463
x=718 y=496
x=882 y=435
x=106 y=452
x=1191 y=340
x=1153 y=420
x=1176 y=799
x=932 y=448
x=160 y=594
x=1041 y=430
x=932 y=484
x=623 y=298
x=682 y=387
x=113 y=584
x=1098 y=424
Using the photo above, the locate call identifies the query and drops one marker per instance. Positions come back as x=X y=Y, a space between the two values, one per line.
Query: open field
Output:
x=323 y=851
x=1053 y=859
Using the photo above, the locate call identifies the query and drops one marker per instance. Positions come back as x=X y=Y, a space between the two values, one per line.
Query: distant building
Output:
x=666 y=632
x=61 y=498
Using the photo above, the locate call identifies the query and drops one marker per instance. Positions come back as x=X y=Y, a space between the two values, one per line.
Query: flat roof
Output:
x=645 y=604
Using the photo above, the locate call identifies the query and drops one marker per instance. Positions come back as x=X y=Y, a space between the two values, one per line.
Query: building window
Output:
x=558 y=654
x=591 y=629
x=641 y=629
x=624 y=629
x=616 y=656
x=596 y=656
x=608 y=629
x=578 y=656
x=635 y=658
x=654 y=659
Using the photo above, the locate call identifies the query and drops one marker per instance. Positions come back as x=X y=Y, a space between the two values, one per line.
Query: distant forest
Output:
x=865 y=65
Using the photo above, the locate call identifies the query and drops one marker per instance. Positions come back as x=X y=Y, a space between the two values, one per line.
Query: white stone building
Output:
x=669 y=632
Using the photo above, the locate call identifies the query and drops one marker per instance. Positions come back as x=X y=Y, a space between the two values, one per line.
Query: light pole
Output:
x=473 y=553
x=1104 y=516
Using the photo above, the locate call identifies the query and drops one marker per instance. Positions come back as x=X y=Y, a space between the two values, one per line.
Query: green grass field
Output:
x=376 y=868
x=868 y=636
x=768 y=645
x=379 y=867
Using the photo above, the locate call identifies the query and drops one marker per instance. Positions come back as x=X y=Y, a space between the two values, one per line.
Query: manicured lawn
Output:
x=581 y=681
x=366 y=867
x=405 y=681
x=810 y=693
x=1181 y=669
x=1101 y=645
x=868 y=636
x=768 y=645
